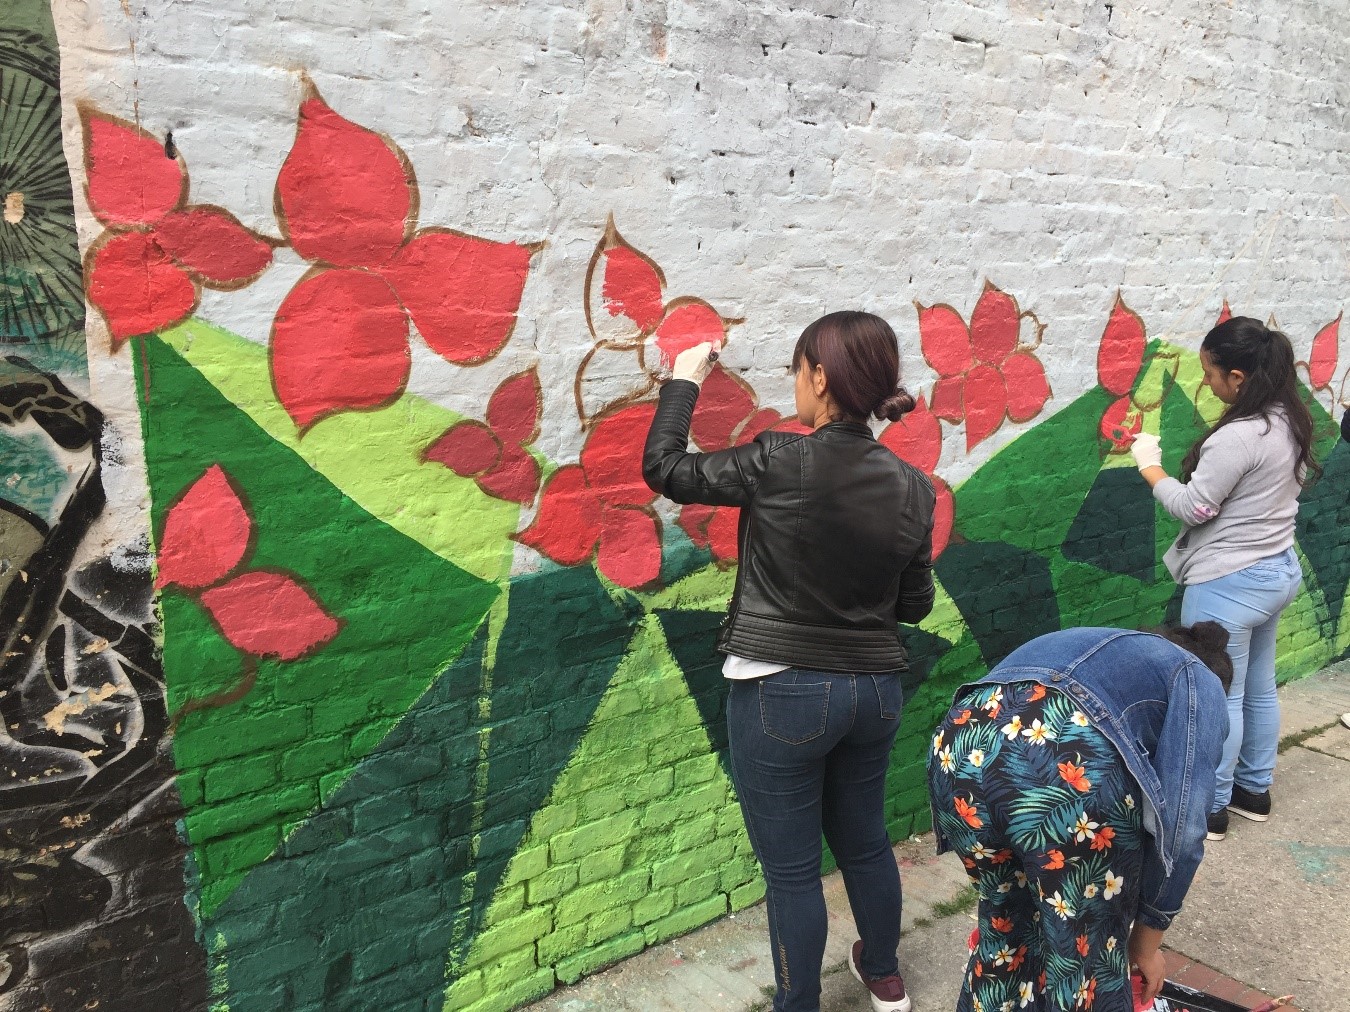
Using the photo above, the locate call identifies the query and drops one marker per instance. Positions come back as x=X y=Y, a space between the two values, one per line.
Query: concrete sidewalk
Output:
x=1266 y=910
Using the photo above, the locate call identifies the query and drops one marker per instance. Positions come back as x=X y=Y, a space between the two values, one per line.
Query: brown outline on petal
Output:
x=314 y=270
x=250 y=544
x=87 y=274
x=616 y=405
x=608 y=241
x=232 y=286
x=86 y=109
x=534 y=249
x=309 y=90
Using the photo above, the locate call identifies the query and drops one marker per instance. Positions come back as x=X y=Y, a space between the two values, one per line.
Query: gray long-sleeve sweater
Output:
x=1239 y=505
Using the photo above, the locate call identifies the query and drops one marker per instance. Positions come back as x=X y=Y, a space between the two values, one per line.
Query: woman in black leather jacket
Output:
x=835 y=543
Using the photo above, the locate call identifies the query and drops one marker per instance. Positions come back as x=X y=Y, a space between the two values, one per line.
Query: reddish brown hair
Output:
x=862 y=363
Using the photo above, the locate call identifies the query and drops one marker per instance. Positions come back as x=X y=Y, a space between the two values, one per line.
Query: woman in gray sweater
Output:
x=1237 y=499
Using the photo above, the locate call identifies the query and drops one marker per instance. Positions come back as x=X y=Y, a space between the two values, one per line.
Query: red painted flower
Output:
x=601 y=508
x=626 y=313
x=917 y=439
x=347 y=200
x=148 y=268
x=207 y=535
x=985 y=373
x=1322 y=358
x=494 y=454
x=1120 y=355
x=727 y=415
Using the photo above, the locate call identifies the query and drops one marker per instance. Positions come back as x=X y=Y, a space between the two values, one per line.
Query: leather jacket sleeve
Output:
x=721 y=478
x=916 y=584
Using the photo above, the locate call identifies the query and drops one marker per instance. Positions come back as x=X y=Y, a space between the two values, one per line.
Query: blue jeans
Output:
x=809 y=753
x=1248 y=604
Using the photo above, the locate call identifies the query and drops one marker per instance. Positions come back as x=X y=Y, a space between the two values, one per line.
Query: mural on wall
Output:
x=91 y=864
x=427 y=716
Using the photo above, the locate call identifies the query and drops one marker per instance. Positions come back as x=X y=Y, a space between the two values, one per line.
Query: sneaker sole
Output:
x=1216 y=837
x=1253 y=816
x=877 y=1004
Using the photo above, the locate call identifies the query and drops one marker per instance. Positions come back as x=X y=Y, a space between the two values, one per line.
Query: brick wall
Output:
x=348 y=664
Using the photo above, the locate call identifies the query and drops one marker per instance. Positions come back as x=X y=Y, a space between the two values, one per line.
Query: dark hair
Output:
x=1208 y=641
x=1267 y=359
x=862 y=363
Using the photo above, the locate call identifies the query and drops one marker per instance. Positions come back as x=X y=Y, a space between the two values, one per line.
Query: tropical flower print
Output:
x=1056 y=851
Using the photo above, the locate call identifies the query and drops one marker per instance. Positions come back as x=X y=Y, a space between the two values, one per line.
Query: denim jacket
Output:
x=1167 y=716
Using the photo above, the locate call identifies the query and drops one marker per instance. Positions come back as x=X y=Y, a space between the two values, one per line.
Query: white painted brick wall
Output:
x=780 y=159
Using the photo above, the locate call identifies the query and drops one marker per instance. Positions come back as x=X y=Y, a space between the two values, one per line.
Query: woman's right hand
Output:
x=1146 y=956
x=695 y=363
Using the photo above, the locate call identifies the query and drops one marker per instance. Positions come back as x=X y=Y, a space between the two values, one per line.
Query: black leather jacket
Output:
x=835 y=537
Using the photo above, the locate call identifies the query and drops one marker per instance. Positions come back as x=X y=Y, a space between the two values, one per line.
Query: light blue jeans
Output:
x=1248 y=604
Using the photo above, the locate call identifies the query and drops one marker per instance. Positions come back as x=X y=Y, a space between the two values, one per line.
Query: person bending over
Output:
x=1074 y=782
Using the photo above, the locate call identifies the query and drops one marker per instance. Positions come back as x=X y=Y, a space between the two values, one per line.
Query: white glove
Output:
x=1147 y=451
x=695 y=363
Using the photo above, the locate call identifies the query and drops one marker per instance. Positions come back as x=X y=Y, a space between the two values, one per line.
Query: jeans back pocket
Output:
x=890 y=695
x=794 y=714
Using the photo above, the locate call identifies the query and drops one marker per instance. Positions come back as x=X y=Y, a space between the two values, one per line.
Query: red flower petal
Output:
x=630 y=547
x=137 y=287
x=786 y=425
x=723 y=527
x=206 y=533
x=269 y=614
x=765 y=419
x=567 y=524
x=612 y=457
x=462 y=292
x=986 y=402
x=1028 y=389
x=689 y=322
x=213 y=245
x=694 y=518
x=515 y=479
x=993 y=326
x=467 y=448
x=623 y=290
x=916 y=438
x=949 y=399
x=131 y=182
x=724 y=403
x=632 y=287
x=344 y=193
x=1225 y=314
x=513 y=408
x=1120 y=423
x=1121 y=351
x=1322 y=360
x=339 y=343
x=944 y=515
x=945 y=340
